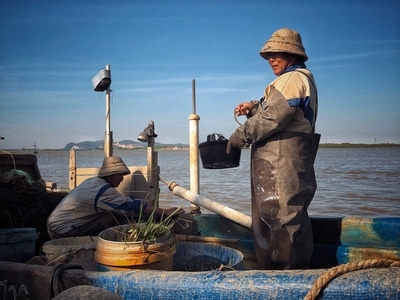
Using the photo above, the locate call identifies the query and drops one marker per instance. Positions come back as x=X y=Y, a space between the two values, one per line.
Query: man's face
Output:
x=116 y=179
x=278 y=62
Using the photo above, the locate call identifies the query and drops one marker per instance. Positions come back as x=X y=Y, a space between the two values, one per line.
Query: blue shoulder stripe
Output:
x=133 y=205
x=304 y=104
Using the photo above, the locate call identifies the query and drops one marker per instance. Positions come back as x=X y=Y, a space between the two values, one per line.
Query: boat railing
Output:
x=141 y=183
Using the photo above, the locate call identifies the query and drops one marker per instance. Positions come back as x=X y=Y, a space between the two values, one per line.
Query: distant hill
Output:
x=124 y=144
x=86 y=145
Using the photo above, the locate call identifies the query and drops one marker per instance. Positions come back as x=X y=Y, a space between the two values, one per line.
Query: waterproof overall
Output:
x=282 y=186
x=281 y=131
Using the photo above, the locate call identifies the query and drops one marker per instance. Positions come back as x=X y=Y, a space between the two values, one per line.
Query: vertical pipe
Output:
x=193 y=146
x=108 y=150
x=150 y=161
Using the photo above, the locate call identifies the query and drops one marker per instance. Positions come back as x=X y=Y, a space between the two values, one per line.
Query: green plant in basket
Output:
x=147 y=230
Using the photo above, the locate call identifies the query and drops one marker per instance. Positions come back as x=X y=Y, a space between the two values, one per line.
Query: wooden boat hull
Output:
x=379 y=236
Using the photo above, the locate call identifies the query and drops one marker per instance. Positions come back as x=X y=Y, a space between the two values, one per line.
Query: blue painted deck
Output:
x=336 y=239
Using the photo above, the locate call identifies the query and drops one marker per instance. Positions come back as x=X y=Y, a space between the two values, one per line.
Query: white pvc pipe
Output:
x=213 y=206
x=194 y=154
x=193 y=148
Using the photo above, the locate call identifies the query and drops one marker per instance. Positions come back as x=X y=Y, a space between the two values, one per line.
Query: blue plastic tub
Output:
x=17 y=244
x=206 y=257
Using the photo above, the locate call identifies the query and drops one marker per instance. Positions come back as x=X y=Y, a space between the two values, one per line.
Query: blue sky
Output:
x=50 y=50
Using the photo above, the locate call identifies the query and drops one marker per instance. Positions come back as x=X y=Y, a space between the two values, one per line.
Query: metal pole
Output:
x=193 y=149
x=108 y=147
x=150 y=162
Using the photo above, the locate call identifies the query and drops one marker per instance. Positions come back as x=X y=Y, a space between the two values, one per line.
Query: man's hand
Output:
x=244 y=108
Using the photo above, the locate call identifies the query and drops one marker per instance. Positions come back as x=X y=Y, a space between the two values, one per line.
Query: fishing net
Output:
x=25 y=202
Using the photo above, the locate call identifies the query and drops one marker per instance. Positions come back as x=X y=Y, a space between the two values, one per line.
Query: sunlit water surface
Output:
x=355 y=181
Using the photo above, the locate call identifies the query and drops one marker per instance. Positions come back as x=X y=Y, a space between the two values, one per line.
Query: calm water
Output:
x=357 y=181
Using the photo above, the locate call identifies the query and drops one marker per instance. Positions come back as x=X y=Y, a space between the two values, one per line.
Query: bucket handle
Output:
x=235 y=117
x=215 y=137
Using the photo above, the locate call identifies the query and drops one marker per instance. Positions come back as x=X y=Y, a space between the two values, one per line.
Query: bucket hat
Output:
x=113 y=165
x=284 y=40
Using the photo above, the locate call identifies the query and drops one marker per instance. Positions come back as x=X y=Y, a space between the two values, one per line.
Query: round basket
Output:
x=213 y=153
x=113 y=254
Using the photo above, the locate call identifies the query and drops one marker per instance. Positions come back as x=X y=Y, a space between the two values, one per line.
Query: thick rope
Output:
x=334 y=272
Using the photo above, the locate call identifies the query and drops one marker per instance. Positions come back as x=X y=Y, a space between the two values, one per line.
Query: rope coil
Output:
x=326 y=277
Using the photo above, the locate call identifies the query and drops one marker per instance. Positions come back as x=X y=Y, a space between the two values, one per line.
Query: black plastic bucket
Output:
x=213 y=153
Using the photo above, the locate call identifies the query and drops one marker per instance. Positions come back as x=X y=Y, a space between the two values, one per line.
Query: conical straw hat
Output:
x=113 y=165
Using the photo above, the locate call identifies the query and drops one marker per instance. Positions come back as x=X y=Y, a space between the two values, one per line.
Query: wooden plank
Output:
x=87 y=172
x=137 y=185
x=72 y=169
x=134 y=185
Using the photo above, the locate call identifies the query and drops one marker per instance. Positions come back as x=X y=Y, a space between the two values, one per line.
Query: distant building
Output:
x=127 y=146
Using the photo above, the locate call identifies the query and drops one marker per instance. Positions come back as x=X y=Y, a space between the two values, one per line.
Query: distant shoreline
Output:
x=349 y=145
x=169 y=148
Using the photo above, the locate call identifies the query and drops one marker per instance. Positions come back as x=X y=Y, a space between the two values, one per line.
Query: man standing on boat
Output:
x=88 y=209
x=281 y=129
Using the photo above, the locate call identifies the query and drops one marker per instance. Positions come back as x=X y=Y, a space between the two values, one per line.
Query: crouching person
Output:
x=88 y=209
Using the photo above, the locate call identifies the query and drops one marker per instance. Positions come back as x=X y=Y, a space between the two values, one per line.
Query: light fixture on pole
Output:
x=101 y=82
x=148 y=135
x=147 y=132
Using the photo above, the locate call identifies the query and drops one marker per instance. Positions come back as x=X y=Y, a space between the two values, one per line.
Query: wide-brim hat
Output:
x=284 y=40
x=113 y=165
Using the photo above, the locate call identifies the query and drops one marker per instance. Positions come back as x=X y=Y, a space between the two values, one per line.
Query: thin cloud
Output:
x=356 y=55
